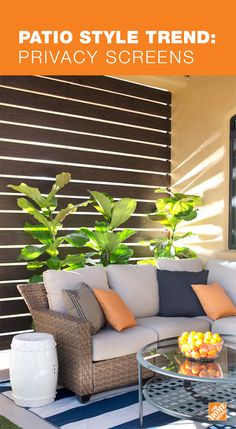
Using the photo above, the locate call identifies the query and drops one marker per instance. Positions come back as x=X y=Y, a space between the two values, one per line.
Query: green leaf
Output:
x=187 y=215
x=160 y=243
x=162 y=219
x=163 y=190
x=108 y=241
x=182 y=236
x=54 y=263
x=35 y=265
x=92 y=239
x=64 y=212
x=52 y=249
x=185 y=253
x=76 y=239
x=36 y=278
x=77 y=261
x=31 y=252
x=86 y=203
x=101 y=226
x=121 y=255
x=32 y=193
x=125 y=234
x=122 y=211
x=29 y=208
x=39 y=232
x=103 y=204
x=61 y=180
x=144 y=243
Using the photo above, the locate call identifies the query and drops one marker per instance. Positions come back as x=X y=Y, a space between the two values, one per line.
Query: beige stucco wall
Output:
x=200 y=151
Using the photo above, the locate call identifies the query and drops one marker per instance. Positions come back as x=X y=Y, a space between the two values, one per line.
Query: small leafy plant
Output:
x=107 y=244
x=46 y=229
x=170 y=212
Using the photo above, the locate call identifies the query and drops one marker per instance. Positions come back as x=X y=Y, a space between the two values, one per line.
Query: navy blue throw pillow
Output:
x=176 y=295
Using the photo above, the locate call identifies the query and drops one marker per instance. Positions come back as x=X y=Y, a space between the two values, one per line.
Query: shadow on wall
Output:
x=205 y=179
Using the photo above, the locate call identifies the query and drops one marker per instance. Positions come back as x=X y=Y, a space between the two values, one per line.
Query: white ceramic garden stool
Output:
x=33 y=369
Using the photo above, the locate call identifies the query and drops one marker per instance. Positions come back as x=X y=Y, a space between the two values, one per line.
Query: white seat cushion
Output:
x=137 y=285
x=108 y=343
x=225 y=325
x=55 y=281
x=194 y=264
x=224 y=273
x=205 y=318
x=167 y=327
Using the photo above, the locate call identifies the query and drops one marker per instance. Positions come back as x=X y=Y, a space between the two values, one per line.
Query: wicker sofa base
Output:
x=116 y=372
x=77 y=371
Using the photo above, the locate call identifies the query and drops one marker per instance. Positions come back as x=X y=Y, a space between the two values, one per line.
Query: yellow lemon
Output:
x=217 y=337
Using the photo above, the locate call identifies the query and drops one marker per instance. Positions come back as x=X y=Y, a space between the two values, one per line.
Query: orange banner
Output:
x=124 y=37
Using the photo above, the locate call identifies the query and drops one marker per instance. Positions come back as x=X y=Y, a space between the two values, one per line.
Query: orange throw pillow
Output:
x=116 y=311
x=215 y=301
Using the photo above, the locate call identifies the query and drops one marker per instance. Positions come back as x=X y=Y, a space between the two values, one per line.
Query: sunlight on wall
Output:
x=200 y=151
x=202 y=166
x=213 y=183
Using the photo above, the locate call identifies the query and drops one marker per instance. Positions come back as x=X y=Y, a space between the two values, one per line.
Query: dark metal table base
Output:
x=188 y=400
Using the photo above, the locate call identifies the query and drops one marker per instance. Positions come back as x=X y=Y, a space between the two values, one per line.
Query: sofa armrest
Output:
x=74 y=348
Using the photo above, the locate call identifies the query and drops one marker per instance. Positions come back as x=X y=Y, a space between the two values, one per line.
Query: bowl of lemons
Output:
x=200 y=346
x=200 y=369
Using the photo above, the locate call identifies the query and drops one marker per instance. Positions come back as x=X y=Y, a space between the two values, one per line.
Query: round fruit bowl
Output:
x=201 y=369
x=200 y=346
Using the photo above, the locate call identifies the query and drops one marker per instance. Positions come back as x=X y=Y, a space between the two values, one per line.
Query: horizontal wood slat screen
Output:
x=112 y=136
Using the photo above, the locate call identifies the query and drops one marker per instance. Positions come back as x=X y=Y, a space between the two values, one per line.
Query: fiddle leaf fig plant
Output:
x=46 y=229
x=106 y=243
x=170 y=212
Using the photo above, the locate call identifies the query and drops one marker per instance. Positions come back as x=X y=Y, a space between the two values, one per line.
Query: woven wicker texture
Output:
x=77 y=371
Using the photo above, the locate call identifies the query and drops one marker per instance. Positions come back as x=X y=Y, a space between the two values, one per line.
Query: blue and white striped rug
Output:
x=117 y=409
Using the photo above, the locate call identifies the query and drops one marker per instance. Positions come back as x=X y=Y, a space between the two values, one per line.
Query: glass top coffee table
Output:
x=182 y=387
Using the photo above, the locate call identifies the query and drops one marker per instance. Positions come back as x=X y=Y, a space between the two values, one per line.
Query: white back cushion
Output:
x=224 y=273
x=55 y=281
x=180 y=264
x=137 y=286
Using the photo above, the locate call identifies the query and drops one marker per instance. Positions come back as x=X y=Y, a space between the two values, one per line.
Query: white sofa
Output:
x=138 y=287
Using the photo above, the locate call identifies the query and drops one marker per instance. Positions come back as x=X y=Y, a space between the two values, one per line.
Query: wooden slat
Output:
x=5 y=342
x=116 y=191
x=13 y=272
x=21 y=238
x=9 y=255
x=27 y=168
x=80 y=125
x=17 y=220
x=9 y=202
x=15 y=324
x=36 y=101
x=121 y=86
x=93 y=95
x=90 y=142
x=22 y=150
x=8 y=290
x=13 y=307
x=136 y=108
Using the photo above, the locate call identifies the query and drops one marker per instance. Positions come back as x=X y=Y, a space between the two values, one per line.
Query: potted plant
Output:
x=106 y=243
x=171 y=211
x=46 y=229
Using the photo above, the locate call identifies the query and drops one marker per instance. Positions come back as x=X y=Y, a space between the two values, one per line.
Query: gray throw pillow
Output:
x=81 y=302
